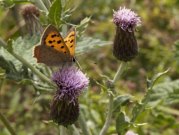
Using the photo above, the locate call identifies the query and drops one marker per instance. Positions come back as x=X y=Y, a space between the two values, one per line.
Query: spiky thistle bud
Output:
x=125 y=45
x=31 y=14
x=70 y=82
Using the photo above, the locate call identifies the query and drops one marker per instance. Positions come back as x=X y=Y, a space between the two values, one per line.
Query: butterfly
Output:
x=55 y=50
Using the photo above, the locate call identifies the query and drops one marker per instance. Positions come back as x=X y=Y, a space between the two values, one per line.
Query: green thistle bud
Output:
x=63 y=112
x=125 y=46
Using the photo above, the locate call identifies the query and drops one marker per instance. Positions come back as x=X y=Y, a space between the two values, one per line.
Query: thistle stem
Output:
x=7 y=124
x=62 y=130
x=83 y=124
x=110 y=106
x=119 y=72
x=22 y=60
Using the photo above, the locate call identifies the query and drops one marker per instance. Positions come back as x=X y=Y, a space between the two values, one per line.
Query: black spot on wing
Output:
x=52 y=46
x=71 y=46
x=72 y=35
x=59 y=41
x=71 y=41
x=54 y=35
x=62 y=46
x=50 y=41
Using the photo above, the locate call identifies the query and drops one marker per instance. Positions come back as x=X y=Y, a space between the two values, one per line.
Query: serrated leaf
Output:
x=8 y=66
x=156 y=77
x=87 y=43
x=122 y=123
x=55 y=13
x=24 y=48
x=167 y=92
x=7 y=3
x=120 y=101
x=83 y=25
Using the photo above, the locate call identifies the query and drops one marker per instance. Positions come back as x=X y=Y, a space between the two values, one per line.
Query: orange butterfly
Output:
x=53 y=49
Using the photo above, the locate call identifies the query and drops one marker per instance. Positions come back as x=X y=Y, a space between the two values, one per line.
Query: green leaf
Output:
x=140 y=106
x=120 y=101
x=23 y=47
x=2 y=73
x=156 y=77
x=8 y=66
x=55 y=13
x=167 y=92
x=83 y=25
x=7 y=3
x=87 y=43
x=122 y=123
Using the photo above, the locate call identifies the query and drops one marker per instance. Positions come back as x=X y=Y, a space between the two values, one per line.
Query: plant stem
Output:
x=83 y=124
x=76 y=132
x=23 y=61
x=109 y=115
x=140 y=107
x=110 y=106
x=62 y=130
x=7 y=124
x=119 y=72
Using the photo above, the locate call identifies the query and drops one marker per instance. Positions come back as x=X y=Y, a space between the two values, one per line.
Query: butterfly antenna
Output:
x=78 y=64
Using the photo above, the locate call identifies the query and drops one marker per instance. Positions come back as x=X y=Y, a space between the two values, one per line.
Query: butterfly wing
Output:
x=52 y=50
x=49 y=56
x=52 y=38
x=70 y=41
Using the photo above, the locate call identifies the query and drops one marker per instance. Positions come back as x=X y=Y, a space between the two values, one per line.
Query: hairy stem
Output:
x=62 y=130
x=7 y=124
x=83 y=124
x=110 y=106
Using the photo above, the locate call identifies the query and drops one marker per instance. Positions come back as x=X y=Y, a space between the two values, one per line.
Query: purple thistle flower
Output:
x=125 y=44
x=71 y=82
x=126 y=19
x=65 y=107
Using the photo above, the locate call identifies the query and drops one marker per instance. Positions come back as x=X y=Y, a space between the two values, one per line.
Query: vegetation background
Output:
x=26 y=105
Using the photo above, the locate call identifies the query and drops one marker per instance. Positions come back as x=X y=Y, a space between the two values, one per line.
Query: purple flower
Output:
x=65 y=107
x=125 y=46
x=126 y=19
x=71 y=82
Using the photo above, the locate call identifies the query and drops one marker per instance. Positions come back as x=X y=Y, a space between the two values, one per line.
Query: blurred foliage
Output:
x=27 y=107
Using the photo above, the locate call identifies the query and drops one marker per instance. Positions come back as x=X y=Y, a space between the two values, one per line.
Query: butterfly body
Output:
x=53 y=49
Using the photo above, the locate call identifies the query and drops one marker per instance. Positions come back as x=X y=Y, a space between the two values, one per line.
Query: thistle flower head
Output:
x=126 y=19
x=125 y=46
x=30 y=10
x=71 y=82
x=65 y=107
x=64 y=113
x=31 y=14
